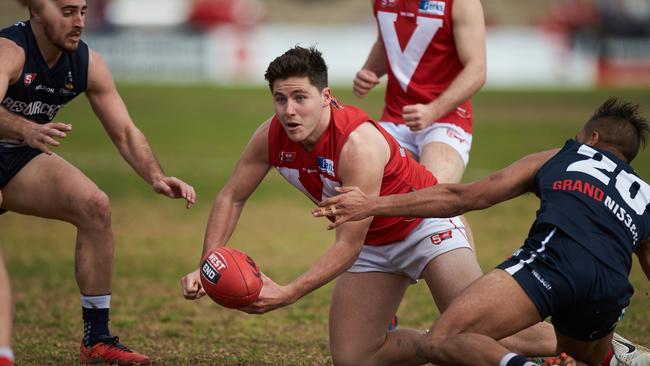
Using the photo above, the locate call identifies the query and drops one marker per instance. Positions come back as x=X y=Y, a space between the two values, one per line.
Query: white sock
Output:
x=7 y=353
x=96 y=302
x=521 y=360
x=506 y=359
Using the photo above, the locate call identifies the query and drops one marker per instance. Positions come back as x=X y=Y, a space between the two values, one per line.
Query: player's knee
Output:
x=96 y=210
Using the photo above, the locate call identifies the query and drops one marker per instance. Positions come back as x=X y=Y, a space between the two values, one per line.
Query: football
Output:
x=230 y=277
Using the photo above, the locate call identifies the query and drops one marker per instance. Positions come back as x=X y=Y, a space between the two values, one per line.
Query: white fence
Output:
x=516 y=57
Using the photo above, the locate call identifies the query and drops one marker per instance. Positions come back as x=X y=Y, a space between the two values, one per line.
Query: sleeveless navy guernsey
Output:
x=598 y=200
x=41 y=91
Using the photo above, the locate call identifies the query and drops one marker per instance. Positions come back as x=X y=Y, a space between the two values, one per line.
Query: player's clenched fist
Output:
x=364 y=80
x=191 y=285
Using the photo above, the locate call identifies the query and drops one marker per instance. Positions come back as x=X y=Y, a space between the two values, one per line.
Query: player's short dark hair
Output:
x=299 y=62
x=620 y=126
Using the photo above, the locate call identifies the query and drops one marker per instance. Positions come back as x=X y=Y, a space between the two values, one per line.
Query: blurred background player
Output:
x=318 y=144
x=433 y=53
x=575 y=263
x=45 y=66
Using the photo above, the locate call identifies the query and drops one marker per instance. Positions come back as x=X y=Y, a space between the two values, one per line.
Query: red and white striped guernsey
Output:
x=315 y=173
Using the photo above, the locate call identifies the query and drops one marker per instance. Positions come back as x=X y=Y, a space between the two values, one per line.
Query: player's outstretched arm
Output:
x=129 y=140
x=441 y=200
x=373 y=69
x=643 y=253
x=12 y=125
x=469 y=37
x=252 y=167
x=361 y=163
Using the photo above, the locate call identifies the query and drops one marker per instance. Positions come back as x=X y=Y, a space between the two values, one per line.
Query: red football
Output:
x=230 y=277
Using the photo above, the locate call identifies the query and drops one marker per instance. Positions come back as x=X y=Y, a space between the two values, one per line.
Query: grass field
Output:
x=198 y=134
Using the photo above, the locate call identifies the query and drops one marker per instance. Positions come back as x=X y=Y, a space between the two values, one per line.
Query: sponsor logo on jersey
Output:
x=388 y=3
x=29 y=78
x=44 y=88
x=325 y=165
x=438 y=238
x=287 y=156
x=69 y=83
x=32 y=108
x=66 y=92
x=623 y=216
x=579 y=186
x=463 y=113
x=598 y=195
x=432 y=7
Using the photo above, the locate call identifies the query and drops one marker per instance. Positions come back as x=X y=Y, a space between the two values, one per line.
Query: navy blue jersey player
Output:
x=575 y=263
x=43 y=65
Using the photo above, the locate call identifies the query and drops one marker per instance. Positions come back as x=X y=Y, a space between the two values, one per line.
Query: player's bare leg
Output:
x=362 y=305
x=447 y=165
x=50 y=187
x=6 y=313
x=6 y=306
x=447 y=275
x=443 y=161
x=464 y=335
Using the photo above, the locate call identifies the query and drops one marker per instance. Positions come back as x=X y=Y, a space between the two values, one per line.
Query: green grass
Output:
x=198 y=134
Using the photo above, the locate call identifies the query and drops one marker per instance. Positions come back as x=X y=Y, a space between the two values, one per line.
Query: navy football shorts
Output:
x=12 y=160
x=584 y=297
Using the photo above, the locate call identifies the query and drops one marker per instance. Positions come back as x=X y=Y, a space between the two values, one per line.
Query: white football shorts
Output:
x=408 y=257
x=447 y=133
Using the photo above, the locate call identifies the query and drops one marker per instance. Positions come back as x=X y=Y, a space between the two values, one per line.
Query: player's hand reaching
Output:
x=272 y=296
x=40 y=136
x=351 y=205
x=173 y=187
x=191 y=285
x=364 y=80
x=419 y=116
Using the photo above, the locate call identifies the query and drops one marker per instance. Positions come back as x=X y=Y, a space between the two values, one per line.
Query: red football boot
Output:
x=561 y=360
x=110 y=351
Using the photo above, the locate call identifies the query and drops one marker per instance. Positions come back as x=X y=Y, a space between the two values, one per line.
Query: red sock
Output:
x=610 y=354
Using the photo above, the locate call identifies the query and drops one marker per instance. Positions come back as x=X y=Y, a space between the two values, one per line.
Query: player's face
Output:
x=64 y=31
x=301 y=108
